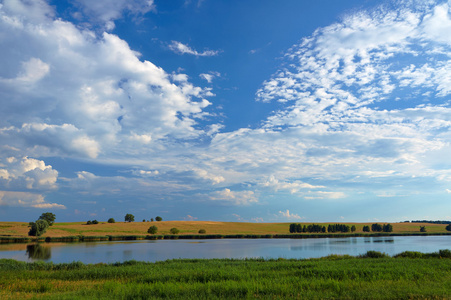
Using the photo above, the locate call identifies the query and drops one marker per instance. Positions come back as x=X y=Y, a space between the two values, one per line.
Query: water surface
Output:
x=146 y=250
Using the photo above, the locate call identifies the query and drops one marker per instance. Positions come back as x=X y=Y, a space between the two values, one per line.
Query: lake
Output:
x=158 y=250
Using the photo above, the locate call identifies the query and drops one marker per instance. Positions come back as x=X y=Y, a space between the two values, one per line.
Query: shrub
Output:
x=376 y=227
x=151 y=219
x=353 y=229
x=95 y=222
x=422 y=228
x=89 y=222
x=410 y=254
x=202 y=231
x=152 y=229
x=448 y=227
x=374 y=254
x=174 y=230
x=366 y=228
x=387 y=228
x=111 y=220
x=158 y=218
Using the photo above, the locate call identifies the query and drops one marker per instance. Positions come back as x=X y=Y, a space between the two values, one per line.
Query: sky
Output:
x=225 y=110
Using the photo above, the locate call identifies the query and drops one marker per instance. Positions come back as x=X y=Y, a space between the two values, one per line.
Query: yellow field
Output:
x=20 y=229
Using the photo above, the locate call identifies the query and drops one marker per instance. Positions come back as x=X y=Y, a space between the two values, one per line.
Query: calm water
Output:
x=108 y=252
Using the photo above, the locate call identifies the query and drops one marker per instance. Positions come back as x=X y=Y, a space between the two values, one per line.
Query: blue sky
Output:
x=259 y=111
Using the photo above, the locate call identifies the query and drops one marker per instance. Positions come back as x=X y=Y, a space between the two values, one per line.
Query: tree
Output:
x=129 y=218
x=202 y=231
x=174 y=230
x=422 y=228
x=387 y=228
x=376 y=227
x=448 y=227
x=353 y=229
x=111 y=220
x=158 y=218
x=366 y=228
x=152 y=229
x=151 y=219
x=49 y=217
x=38 y=228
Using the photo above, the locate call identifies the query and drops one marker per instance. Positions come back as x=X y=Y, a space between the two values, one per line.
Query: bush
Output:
x=89 y=222
x=111 y=220
x=374 y=254
x=448 y=227
x=174 y=230
x=376 y=227
x=152 y=229
x=366 y=228
x=202 y=231
x=158 y=218
x=422 y=228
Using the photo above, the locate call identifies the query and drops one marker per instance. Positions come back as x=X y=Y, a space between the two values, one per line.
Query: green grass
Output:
x=410 y=275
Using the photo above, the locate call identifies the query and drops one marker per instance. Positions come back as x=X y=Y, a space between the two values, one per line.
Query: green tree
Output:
x=353 y=229
x=38 y=228
x=422 y=228
x=158 y=218
x=376 y=227
x=174 y=230
x=129 y=218
x=111 y=220
x=152 y=229
x=49 y=217
x=387 y=228
x=366 y=228
x=448 y=227
x=202 y=231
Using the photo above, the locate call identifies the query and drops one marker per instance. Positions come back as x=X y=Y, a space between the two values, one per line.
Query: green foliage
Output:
x=49 y=217
x=111 y=220
x=174 y=230
x=366 y=228
x=376 y=227
x=332 y=277
x=129 y=218
x=93 y=222
x=38 y=228
x=422 y=228
x=158 y=219
x=152 y=229
x=202 y=231
x=151 y=219
x=387 y=228
x=448 y=227
x=374 y=254
x=353 y=228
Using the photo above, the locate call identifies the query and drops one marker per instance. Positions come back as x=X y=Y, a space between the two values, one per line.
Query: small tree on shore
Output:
x=38 y=228
x=366 y=228
x=353 y=229
x=174 y=230
x=422 y=228
x=129 y=218
x=202 y=231
x=152 y=229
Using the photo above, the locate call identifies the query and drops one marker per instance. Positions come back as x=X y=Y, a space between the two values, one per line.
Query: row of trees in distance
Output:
x=317 y=228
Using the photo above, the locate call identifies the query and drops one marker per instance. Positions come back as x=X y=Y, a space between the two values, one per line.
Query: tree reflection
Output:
x=36 y=251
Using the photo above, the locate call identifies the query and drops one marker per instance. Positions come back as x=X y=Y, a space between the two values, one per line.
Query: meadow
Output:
x=409 y=275
x=189 y=228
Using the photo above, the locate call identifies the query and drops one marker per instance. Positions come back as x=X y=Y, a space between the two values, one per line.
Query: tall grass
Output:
x=377 y=276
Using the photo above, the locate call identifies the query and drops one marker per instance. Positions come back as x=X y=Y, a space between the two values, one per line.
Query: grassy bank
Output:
x=18 y=231
x=408 y=276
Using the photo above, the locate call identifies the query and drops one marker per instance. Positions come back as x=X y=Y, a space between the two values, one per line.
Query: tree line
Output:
x=317 y=228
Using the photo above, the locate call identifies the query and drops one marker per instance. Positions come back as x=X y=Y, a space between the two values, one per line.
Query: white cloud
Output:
x=180 y=48
x=209 y=76
x=107 y=11
x=290 y=216
x=228 y=196
x=26 y=173
x=26 y=199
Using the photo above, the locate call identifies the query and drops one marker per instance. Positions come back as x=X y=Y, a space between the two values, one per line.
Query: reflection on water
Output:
x=117 y=251
x=37 y=251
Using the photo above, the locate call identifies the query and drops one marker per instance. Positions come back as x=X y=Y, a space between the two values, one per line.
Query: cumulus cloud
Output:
x=180 y=48
x=290 y=216
x=29 y=173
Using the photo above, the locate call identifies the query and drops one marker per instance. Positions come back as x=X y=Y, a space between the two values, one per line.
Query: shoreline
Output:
x=82 y=238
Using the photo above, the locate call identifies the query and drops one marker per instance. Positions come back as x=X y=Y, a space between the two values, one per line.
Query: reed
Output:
x=373 y=276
